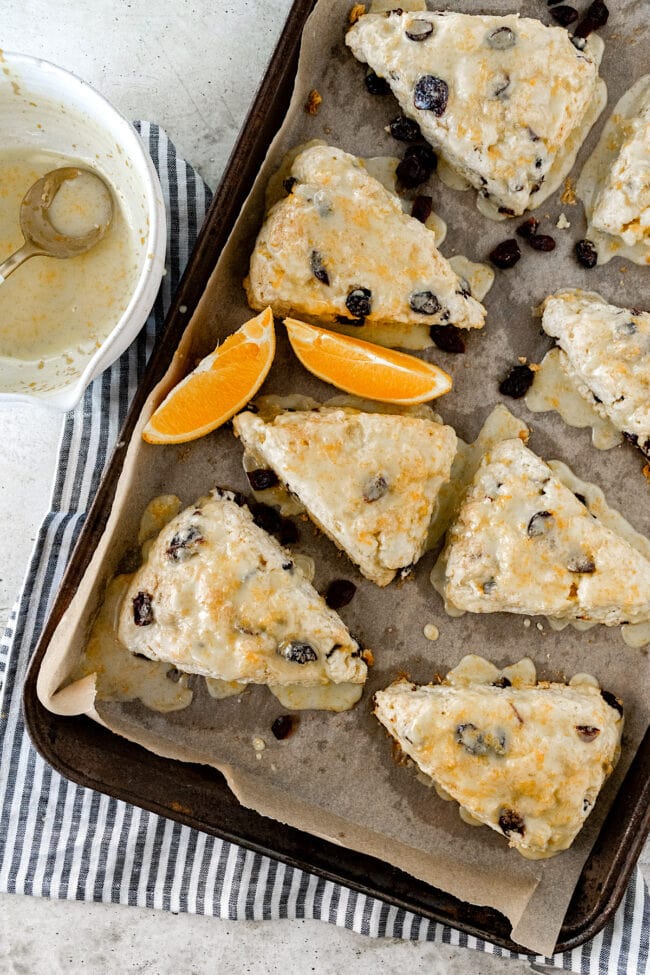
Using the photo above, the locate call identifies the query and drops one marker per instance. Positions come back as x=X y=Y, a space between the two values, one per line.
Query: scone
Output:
x=605 y=351
x=506 y=101
x=524 y=543
x=339 y=249
x=615 y=182
x=368 y=480
x=526 y=759
x=217 y=596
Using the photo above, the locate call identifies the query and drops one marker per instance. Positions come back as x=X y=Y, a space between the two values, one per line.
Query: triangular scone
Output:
x=615 y=182
x=606 y=352
x=218 y=596
x=506 y=101
x=528 y=761
x=524 y=543
x=339 y=248
x=368 y=480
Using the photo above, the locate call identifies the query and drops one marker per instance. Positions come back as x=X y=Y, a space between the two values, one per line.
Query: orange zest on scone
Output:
x=220 y=386
x=364 y=369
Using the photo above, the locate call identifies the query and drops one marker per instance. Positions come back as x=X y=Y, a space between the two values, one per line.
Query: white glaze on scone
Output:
x=526 y=759
x=606 y=353
x=521 y=97
x=615 y=182
x=369 y=480
x=226 y=601
x=524 y=543
x=342 y=221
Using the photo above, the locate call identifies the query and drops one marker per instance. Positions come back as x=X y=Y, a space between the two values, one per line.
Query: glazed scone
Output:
x=524 y=543
x=217 y=596
x=615 y=182
x=368 y=480
x=605 y=350
x=526 y=759
x=339 y=249
x=506 y=101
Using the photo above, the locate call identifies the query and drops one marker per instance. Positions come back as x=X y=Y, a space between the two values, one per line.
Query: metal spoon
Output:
x=42 y=239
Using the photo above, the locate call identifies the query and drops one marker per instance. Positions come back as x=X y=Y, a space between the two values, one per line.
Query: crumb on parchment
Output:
x=313 y=102
x=562 y=222
x=356 y=12
x=569 y=194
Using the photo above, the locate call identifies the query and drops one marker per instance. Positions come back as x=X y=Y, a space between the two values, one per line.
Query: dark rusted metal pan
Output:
x=198 y=796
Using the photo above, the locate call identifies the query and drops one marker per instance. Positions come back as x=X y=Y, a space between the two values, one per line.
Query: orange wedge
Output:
x=364 y=369
x=220 y=386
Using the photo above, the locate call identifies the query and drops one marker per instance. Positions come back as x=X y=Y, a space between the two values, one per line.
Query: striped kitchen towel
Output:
x=60 y=840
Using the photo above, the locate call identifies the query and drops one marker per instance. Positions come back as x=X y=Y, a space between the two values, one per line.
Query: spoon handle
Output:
x=14 y=260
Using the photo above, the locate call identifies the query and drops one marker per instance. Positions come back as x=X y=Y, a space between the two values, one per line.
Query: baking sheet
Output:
x=409 y=825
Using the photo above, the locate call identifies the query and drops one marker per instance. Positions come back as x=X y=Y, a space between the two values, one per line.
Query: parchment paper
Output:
x=336 y=776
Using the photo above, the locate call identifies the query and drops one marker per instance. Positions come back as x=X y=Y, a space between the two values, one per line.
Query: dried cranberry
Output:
x=539 y=524
x=506 y=254
x=262 y=479
x=405 y=129
x=431 y=94
x=612 y=700
x=587 y=732
x=586 y=253
x=422 y=207
x=501 y=39
x=470 y=738
x=376 y=85
x=517 y=382
x=511 y=822
x=266 y=517
x=419 y=30
x=416 y=166
x=501 y=85
x=596 y=16
x=448 y=338
x=581 y=565
x=318 y=268
x=627 y=328
x=284 y=726
x=339 y=593
x=142 y=609
x=298 y=652
x=184 y=544
x=502 y=682
x=357 y=322
x=528 y=228
x=564 y=14
x=375 y=489
x=288 y=533
x=424 y=303
x=541 y=242
x=359 y=302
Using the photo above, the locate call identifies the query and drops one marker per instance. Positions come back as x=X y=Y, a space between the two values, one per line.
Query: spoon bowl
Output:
x=42 y=237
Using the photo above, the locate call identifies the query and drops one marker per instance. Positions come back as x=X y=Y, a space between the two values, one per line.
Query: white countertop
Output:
x=193 y=66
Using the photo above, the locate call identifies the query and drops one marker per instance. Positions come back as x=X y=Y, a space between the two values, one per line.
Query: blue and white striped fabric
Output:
x=59 y=840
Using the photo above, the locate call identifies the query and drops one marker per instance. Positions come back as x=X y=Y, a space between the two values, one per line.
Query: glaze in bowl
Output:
x=45 y=109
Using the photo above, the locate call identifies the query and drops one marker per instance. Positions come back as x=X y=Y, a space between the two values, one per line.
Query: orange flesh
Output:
x=364 y=369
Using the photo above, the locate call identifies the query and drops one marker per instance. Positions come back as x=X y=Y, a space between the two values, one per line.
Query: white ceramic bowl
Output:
x=47 y=108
